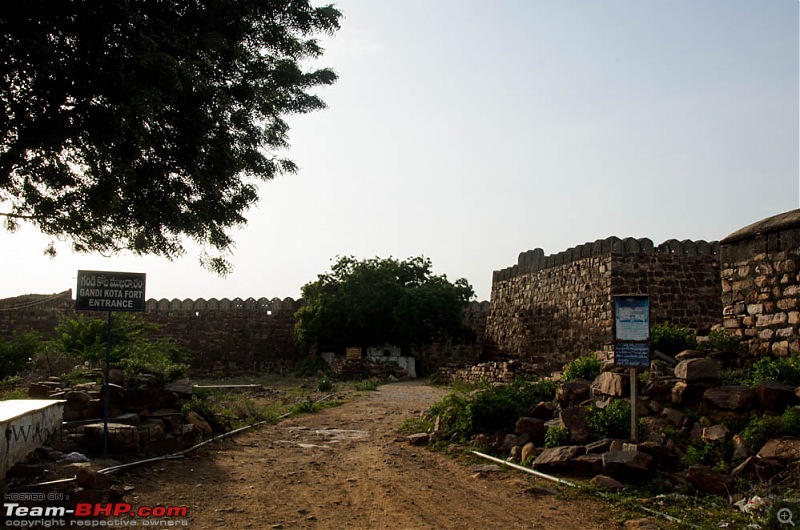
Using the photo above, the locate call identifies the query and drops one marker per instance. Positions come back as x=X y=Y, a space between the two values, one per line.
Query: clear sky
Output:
x=469 y=131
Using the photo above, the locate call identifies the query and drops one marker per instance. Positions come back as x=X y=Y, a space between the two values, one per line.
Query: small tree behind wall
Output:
x=380 y=301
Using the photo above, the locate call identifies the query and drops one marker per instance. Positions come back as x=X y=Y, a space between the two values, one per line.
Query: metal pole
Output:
x=107 y=389
x=634 y=430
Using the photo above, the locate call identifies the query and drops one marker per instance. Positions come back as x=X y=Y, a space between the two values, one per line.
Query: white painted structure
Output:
x=26 y=424
x=393 y=354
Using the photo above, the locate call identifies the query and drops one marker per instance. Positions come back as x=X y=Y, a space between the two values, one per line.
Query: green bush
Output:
x=783 y=369
x=584 y=367
x=721 y=340
x=613 y=421
x=367 y=385
x=672 y=340
x=16 y=353
x=761 y=429
x=556 y=436
x=219 y=417
x=132 y=347
x=491 y=409
x=324 y=384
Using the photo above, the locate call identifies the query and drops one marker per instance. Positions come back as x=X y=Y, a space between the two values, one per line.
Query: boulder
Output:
x=151 y=431
x=557 y=458
x=685 y=355
x=89 y=478
x=510 y=440
x=732 y=397
x=781 y=449
x=715 y=433
x=663 y=457
x=528 y=450
x=587 y=465
x=600 y=446
x=420 y=438
x=709 y=481
x=138 y=399
x=202 y=425
x=533 y=427
x=611 y=384
x=697 y=370
x=183 y=387
x=675 y=417
x=544 y=411
x=573 y=392
x=627 y=465
x=576 y=420
x=607 y=483
x=774 y=396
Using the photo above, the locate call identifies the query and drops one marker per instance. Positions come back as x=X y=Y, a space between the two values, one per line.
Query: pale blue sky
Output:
x=469 y=131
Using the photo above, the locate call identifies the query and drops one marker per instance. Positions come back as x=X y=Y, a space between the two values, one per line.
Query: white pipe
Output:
x=526 y=469
x=567 y=483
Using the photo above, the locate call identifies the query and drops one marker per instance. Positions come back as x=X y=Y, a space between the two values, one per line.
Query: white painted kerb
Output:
x=26 y=424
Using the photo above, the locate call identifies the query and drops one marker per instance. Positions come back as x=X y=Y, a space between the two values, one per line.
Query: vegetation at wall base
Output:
x=584 y=367
x=671 y=339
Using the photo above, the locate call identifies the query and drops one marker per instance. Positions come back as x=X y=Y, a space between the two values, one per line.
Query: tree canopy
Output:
x=376 y=301
x=135 y=125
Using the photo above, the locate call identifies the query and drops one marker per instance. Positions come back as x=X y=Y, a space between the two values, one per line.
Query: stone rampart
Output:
x=560 y=306
x=761 y=284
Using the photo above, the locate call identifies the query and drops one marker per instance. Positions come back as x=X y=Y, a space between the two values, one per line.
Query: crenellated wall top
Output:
x=271 y=306
x=535 y=260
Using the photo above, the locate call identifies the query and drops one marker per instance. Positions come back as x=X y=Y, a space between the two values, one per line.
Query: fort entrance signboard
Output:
x=110 y=291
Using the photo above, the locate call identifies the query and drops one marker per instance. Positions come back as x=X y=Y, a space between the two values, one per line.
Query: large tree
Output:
x=138 y=124
x=374 y=302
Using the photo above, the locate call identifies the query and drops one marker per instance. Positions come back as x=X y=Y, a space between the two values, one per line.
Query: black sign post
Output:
x=109 y=291
x=632 y=341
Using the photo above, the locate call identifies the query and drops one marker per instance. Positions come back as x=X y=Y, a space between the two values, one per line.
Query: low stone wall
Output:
x=489 y=372
x=761 y=284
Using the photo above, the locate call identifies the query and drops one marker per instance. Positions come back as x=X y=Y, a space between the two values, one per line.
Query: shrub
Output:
x=15 y=354
x=721 y=340
x=556 y=436
x=324 y=384
x=613 y=421
x=761 y=429
x=672 y=340
x=491 y=409
x=584 y=367
x=783 y=369
x=220 y=418
x=367 y=385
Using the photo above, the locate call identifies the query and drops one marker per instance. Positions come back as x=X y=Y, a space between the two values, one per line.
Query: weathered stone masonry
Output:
x=761 y=284
x=560 y=306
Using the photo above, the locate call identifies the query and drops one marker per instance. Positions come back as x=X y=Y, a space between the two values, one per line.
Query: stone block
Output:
x=732 y=397
x=533 y=427
x=774 y=396
x=122 y=439
x=629 y=466
x=587 y=465
x=557 y=458
x=715 y=433
x=709 y=481
x=607 y=483
x=786 y=449
x=697 y=370
x=611 y=384
x=576 y=420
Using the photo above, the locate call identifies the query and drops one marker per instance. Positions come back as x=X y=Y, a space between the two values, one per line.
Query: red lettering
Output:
x=103 y=509
x=159 y=511
x=83 y=509
x=121 y=508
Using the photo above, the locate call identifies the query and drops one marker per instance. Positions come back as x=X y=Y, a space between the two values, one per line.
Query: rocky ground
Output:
x=347 y=467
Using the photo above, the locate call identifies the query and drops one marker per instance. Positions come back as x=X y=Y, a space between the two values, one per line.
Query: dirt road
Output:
x=346 y=467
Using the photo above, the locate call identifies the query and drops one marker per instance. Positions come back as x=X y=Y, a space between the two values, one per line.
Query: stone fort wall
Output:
x=228 y=336
x=558 y=307
x=761 y=284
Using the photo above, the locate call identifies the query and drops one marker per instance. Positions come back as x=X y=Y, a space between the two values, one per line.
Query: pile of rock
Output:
x=142 y=421
x=691 y=389
x=494 y=371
